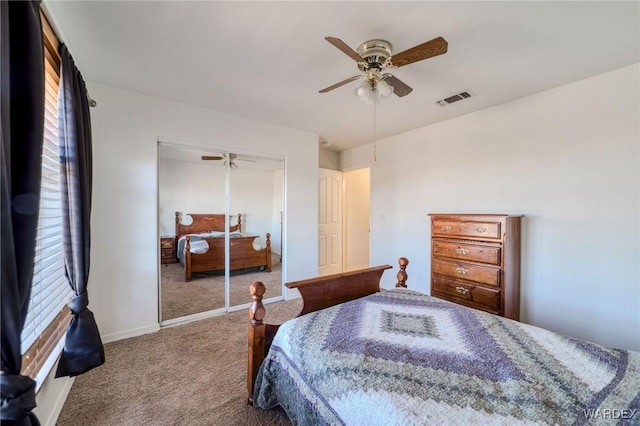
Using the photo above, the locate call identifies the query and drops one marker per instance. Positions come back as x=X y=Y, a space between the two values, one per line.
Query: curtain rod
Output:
x=51 y=23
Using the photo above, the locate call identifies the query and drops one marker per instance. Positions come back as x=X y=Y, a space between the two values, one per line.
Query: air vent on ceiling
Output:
x=454 y=98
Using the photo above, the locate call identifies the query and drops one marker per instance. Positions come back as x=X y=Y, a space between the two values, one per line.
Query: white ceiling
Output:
x=267 y=60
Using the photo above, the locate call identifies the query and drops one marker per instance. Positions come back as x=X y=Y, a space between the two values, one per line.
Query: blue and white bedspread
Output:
x=404 y=358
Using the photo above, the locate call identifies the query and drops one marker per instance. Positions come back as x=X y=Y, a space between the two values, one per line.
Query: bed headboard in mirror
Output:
x=206 y=222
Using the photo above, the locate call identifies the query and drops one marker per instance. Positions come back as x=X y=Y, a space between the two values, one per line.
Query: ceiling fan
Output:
x=232 y=159
x=375 y=56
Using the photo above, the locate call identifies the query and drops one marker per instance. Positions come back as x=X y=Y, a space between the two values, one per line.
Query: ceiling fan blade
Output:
x=211 y=157
x=346 y=49
x=426 y=50
x=399 y=88
x=342 y=83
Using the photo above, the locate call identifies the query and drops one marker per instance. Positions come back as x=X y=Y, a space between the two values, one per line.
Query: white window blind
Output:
x=46 y=319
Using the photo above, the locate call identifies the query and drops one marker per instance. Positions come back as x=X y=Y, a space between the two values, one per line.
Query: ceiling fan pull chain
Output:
x=375 y=131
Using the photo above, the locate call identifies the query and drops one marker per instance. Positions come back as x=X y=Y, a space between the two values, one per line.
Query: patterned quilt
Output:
x=404 y=358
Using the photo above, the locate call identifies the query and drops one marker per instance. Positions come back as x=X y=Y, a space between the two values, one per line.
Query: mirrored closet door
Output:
x=215 y=211
x=256 y=193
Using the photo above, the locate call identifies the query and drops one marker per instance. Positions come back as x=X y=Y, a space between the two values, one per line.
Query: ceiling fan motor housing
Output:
x=376 y=54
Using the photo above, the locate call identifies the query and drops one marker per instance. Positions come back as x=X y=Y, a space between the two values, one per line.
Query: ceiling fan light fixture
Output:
x=231 y=164
x=364 y=91
x=369 y=92
x=383 y=90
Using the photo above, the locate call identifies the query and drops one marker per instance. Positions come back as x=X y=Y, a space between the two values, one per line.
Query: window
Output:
x=48 y=316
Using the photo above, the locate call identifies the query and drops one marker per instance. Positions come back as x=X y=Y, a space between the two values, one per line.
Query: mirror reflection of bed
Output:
x=192 y=202
x=201 y=246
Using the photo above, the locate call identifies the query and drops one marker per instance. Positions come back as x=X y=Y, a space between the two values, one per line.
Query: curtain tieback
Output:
x=18 y=396
x=79 y=303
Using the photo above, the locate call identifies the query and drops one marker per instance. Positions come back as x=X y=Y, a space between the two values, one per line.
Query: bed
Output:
x=358 y=355
x=200 y=245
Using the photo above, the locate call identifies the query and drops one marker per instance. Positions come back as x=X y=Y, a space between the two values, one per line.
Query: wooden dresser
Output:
x=168 y=250
x=475 y=261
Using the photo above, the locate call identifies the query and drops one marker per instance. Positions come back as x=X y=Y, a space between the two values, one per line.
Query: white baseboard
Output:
x=121 y=335
x=193 y=317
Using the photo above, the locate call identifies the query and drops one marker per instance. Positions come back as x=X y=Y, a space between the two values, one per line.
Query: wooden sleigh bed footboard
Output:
x=401 y=356
x=317 y=293
x=242 y=253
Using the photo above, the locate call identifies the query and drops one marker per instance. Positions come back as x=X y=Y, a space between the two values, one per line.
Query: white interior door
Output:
x=330 y=222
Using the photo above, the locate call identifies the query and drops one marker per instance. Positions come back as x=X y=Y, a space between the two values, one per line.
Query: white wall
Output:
x=329 y=159
x=568 y=159
x=123 y=283
x=200 y=188
x=51 y=396
x=188 y=188
x=251 y=193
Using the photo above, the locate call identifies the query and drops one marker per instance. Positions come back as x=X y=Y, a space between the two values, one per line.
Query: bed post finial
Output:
x=257 y=333
x=240 y=222
x=268 y=253
x=257 y=311
x=402 y=273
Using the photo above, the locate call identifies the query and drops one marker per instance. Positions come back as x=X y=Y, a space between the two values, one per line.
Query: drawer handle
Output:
x=481 y=229
x=446 y=228
x=461 y=271
x=462 y=251
x=462 y=290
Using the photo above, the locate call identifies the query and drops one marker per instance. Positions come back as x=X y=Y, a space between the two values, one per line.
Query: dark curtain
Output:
x=22 y=115
x=83 y=348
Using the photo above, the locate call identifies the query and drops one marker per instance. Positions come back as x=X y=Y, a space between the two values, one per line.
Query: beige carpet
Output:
x=194 y=374
x=205 y=291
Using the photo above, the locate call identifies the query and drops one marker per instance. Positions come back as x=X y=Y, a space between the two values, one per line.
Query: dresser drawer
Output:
x=466 y=271
x=167 y=250
x=475 y=253
x=167 y=256
x=479 y=297
x=167 y=243
x=463 y=229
